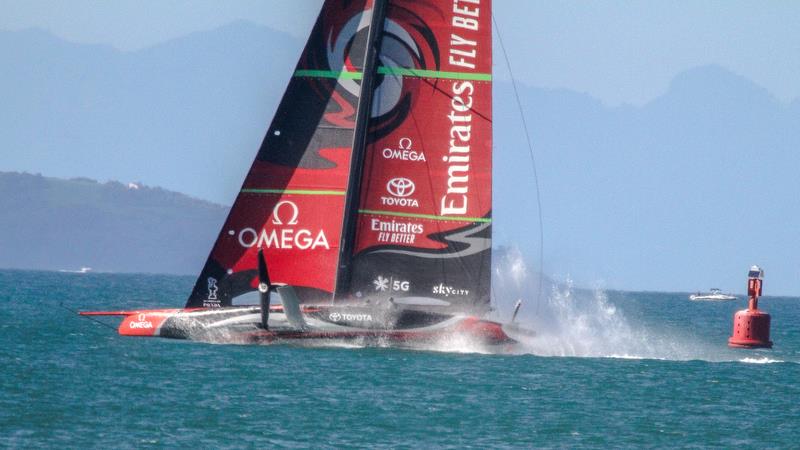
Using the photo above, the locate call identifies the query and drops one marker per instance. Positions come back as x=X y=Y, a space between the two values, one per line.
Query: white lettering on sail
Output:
x=404 y=152
x=395 y=232
x=283 y=238
x=454 y=202
x=463 y=53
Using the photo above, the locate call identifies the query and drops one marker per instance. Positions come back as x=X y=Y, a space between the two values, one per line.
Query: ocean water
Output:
x=608 y=369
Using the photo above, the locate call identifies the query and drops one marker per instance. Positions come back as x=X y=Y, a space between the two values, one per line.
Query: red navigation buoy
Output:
x=751 y=325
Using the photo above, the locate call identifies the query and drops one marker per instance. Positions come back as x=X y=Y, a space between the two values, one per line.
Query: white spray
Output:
x=577 y=322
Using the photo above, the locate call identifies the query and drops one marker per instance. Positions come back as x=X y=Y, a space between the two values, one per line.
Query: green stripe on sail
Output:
x=425 y=216
x=292 y=191
x=434 y=73
x=335 y=74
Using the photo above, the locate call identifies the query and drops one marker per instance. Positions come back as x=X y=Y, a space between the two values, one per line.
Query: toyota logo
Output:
x=400 y=187
x=335 y=316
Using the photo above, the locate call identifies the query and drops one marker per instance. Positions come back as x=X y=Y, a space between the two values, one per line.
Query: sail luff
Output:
x=360 y=134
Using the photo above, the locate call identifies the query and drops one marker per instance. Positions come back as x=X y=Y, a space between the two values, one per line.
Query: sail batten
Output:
x=422 y=73
x=292 y=191
x=335 y=74
x=391 y=70
x=425 y=216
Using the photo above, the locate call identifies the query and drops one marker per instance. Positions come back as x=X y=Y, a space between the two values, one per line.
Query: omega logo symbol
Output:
x=292 y=207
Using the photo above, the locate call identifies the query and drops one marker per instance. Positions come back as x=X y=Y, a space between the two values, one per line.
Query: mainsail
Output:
x=416 y=206
x=424 y=216
x=292 y=200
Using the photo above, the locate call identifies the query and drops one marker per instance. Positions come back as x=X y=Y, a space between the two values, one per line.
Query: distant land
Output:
x=66 y=224
x=56 y=224
x=679 y=194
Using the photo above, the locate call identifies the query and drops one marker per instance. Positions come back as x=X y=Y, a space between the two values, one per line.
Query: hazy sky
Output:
x=618 y=52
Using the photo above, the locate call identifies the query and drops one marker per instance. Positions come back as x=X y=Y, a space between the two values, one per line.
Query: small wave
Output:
x=612 y=356
x=763 y=360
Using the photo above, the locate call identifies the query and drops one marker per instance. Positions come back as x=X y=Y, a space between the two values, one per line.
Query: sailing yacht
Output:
x=367 y=212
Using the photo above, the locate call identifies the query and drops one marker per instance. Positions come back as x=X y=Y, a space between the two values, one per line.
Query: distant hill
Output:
x=52 y=224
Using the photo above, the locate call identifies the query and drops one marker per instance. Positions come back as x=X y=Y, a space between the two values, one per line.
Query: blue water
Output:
x=609 y=370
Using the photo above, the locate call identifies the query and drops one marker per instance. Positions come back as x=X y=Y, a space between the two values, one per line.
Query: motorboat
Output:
x=714 y=295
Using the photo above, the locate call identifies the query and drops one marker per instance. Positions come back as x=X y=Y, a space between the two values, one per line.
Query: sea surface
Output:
x=608 y=370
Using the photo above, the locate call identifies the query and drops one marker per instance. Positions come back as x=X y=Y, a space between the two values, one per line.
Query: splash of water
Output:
x=583 y=323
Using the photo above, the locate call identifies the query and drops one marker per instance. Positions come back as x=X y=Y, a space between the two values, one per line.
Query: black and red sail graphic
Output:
x=424 y=217
x=291 y=203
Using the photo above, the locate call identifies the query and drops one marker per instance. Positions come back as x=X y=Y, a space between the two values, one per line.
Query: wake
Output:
x=571 y=322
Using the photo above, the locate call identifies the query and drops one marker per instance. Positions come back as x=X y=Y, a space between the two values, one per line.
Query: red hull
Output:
x=154 y=323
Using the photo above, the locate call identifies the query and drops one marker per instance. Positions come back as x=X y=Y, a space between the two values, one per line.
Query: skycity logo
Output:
x=400 y=189
x=447 y=291
x=284 y=213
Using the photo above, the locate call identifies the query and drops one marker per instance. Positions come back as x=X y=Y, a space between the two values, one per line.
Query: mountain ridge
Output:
x=659 y=181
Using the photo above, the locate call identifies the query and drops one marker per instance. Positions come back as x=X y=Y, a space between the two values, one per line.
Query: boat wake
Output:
x=763 y=360
x=574 y=322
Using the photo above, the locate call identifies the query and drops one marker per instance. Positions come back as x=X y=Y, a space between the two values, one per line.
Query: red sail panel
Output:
x=292 y=200
x=425 y=207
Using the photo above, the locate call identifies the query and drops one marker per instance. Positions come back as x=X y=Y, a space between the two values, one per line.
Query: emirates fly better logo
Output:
x=400 y=189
